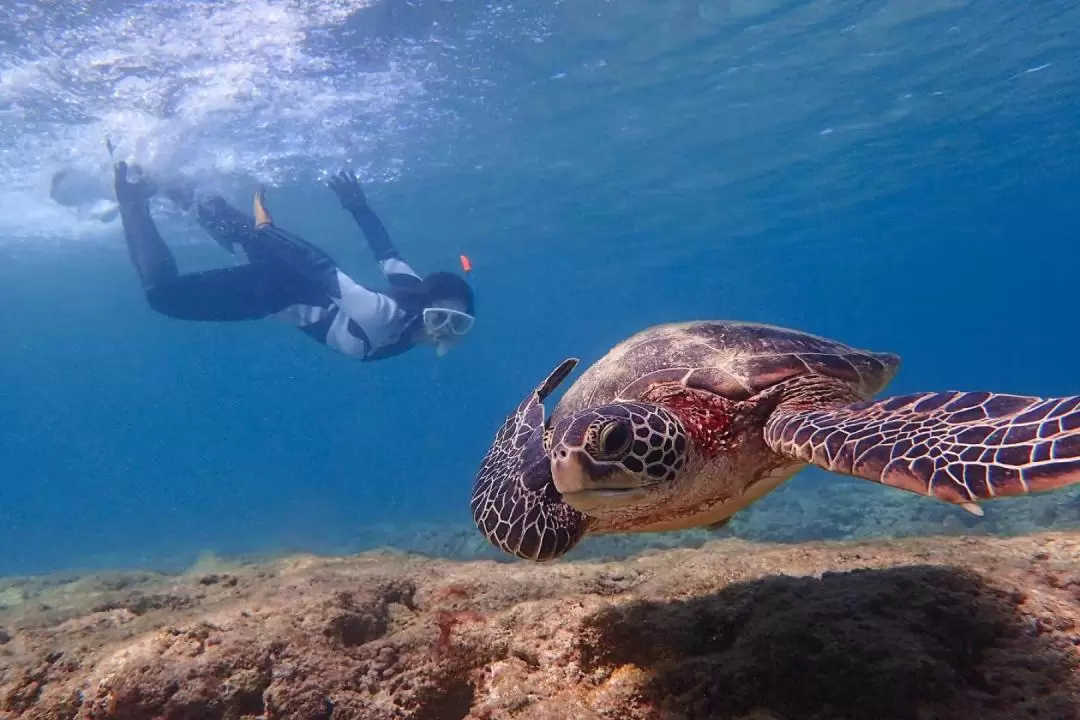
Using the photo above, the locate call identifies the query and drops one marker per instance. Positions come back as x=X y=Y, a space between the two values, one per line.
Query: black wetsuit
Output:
x=285 y=277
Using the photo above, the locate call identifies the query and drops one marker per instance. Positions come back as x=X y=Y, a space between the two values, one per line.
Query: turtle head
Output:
x=614 y=458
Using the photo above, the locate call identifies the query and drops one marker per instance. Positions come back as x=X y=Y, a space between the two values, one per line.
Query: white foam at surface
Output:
x=210 y=89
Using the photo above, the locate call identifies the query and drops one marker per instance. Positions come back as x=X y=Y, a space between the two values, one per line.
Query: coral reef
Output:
x=924 y=628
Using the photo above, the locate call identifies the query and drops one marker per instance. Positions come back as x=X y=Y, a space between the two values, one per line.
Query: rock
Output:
x=929 y=628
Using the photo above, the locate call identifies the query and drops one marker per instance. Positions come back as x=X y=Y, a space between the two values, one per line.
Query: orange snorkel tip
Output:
x=466 y=263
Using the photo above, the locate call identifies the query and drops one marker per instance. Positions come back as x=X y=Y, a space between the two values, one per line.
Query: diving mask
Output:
x=444 y=322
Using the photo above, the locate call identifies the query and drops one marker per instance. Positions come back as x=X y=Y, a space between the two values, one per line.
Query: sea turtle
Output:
x=682 y=425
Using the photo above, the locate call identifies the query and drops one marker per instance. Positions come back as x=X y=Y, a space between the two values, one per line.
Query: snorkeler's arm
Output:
x=398 y=273
x=348 y=189
x=394 y=269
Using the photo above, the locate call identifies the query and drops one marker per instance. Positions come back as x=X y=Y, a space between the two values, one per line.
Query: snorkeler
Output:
x=87 y=192
x=290 y=279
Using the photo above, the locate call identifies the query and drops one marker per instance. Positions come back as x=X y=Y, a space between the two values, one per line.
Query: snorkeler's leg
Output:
x=225 y=224
x=228 y=226
x=299 y=255
x=151 y=257
x=246 y=292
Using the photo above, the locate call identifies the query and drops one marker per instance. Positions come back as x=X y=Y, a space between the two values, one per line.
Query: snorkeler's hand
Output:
x=347 y=188
x=131 y=185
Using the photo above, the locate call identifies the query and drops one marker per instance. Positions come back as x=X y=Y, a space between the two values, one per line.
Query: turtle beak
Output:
x=586 y=485
x=569 y=472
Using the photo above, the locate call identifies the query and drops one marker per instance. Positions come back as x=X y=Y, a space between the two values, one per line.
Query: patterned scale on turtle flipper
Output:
x=960 y=447
x=514 y=501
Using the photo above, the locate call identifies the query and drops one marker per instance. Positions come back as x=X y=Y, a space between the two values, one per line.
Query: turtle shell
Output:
x=735 y=360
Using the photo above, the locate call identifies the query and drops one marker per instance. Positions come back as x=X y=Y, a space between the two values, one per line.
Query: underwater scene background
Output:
x=896 y=174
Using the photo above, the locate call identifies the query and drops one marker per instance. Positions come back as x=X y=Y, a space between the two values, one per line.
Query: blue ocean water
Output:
x=898 y=175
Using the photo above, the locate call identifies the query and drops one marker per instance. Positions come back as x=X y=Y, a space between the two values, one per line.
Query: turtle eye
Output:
x=614 y=440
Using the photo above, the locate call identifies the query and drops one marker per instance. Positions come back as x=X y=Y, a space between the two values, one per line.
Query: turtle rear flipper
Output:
x=960 y=447
x=514 y=501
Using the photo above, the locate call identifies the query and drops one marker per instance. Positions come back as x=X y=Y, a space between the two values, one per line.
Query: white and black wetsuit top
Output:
x=358 y=322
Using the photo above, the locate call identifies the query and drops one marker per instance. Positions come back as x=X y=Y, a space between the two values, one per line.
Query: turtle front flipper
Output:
x=960 y=447
x=514 y=502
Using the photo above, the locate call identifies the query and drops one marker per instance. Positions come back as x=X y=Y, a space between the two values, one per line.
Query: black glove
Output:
x=134 y=189
x=347 y=188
